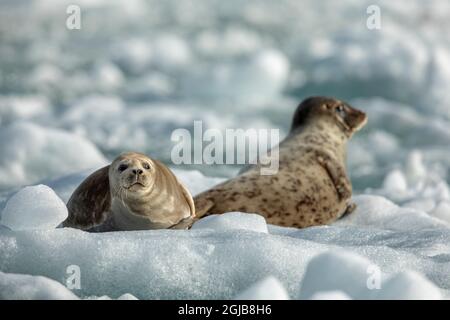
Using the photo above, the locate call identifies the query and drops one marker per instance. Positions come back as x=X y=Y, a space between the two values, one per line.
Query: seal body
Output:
x=311 y=186
x=135 y=192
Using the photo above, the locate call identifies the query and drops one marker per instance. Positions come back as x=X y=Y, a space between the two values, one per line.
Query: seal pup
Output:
x=135 y=192
x=311 y=186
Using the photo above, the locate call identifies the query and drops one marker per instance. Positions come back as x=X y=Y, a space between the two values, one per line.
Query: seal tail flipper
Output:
x=202 y=206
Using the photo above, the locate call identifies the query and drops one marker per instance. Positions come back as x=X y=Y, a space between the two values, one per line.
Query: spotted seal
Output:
x=311 y=186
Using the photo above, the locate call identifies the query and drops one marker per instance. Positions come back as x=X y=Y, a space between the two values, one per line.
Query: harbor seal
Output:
x=311 y=186
x=133 y=193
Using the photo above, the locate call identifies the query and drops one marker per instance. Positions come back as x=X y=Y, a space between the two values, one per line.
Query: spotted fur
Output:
x=311 y=186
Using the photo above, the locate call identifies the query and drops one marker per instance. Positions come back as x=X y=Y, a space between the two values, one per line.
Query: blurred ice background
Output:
x=139 y=69
x=70 y=100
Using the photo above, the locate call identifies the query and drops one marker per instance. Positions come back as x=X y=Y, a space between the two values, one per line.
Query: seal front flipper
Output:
x=351 y=207
x=337 y=174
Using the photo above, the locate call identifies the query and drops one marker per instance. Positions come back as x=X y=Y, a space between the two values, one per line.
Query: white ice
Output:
x=233 y=221
x=26 y=287
x=36 y=207
x=31 y=153
x=266 y=289
x=230 y=254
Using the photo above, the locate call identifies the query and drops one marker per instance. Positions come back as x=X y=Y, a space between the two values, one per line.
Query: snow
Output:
x=36 y=207
x=336 y=271
x=409 y=286
x=31 y=153
x=267 y=289
x=224 y=257
x=232 y=221
x=330 y=295
x=26 y=287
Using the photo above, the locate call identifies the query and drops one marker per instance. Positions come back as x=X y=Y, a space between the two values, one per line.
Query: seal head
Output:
x=331 y=111
x=135 y=192
x=131 y=175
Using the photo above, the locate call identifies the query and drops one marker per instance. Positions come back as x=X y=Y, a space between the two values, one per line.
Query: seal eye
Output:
x=123 y=167
x=146 y=166
x=341 y=111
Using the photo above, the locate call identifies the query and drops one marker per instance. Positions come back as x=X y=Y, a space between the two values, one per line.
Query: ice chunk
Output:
x=254 y=80
x=134 y=55
x=36 y=207
x=370 y=210
x=395 y=181
x=27 y=287
x=415 y=168
x=14 y=108
x=267 y=289
x=171 y=51
x=336 y=271
x=107 y=76
x=233 y=220
x=379 y=212
x=408 y=285
x=330 y=295
x=442 y=211
x=31 y=153
x=127 y=296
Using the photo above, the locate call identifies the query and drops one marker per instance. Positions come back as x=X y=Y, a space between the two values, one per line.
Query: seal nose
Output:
x=137 y=171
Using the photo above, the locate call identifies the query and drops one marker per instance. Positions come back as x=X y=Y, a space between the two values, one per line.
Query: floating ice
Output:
x=233 y=220
x=267 y=289
x=330 y=295
x=134 y=55
x=171 y=51
x=13 y=108
x=31 y=153
x=127 y=296
x=379 y=212
x=442 y=211
x=36 y=207
x=107 y=76
x=337 y=271
x=395 y=181
x=26 y=287
x=408 y=286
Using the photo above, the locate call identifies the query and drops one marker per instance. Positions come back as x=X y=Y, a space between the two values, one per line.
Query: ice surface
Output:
x=26 y=287
x=330 y=295
x=408 y=286
x=170 y=262
x=127 y=296
x=337 y=271
x=232 y=221
x=266 y=289
x=36 y=207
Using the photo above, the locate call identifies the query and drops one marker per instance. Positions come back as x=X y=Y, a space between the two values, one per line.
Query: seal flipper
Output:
x=337 y=175
x=90 y=202
x=202 y=206
x=351 y=207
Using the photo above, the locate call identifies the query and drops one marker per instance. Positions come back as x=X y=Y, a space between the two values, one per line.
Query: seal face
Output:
x=135 y=192
x=311 y=186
